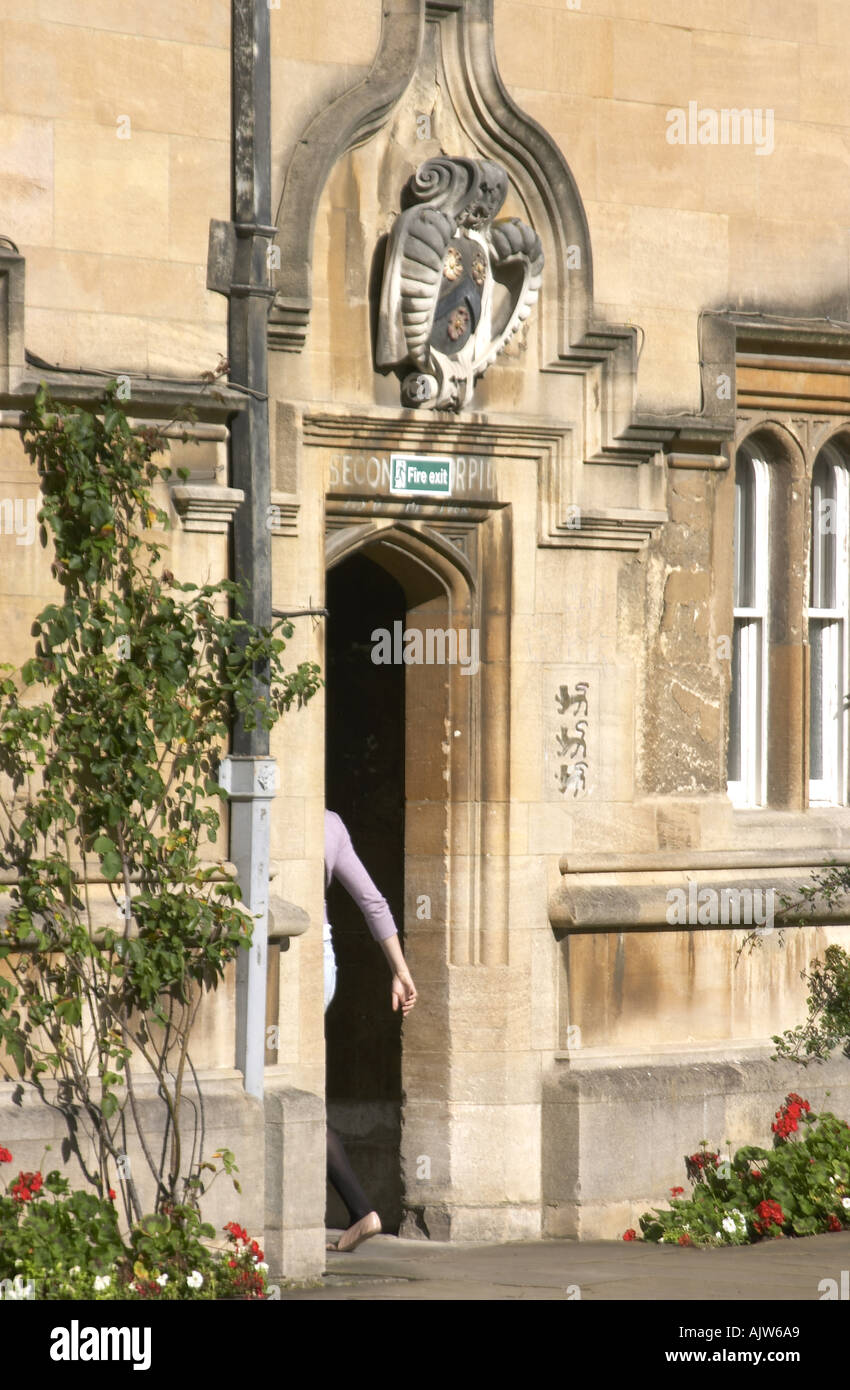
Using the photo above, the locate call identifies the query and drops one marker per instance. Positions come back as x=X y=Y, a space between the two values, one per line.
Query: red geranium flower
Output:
x=630 y=1234
x=702 y=1160
x=789 y=1114
x=798 y=1100
x=770 y=1214
x=26 y=1186
x=685 y=1239
x=5 y=1156
x=112 y=1194
x=833 y=1222
x=238 y=1232
x=676 y=1191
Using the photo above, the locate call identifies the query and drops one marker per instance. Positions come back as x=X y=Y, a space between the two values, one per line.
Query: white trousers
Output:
x=330 y=964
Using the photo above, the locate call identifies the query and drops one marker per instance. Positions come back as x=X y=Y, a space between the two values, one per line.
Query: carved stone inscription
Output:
x=571 y=731
x=472 y=475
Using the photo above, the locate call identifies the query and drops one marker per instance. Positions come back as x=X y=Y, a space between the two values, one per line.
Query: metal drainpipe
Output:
x=249 y=773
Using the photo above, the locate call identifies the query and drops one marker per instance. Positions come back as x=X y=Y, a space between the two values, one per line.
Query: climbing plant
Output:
x=110 y=737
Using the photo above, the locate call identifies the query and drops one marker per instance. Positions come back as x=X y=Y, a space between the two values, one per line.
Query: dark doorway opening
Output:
x=364 y=784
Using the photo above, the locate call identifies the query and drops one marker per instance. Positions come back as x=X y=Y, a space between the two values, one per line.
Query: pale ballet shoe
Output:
x=369 y=1225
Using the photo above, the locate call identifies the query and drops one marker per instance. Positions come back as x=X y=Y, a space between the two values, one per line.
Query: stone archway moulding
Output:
x=797 y=439
x=493 y=121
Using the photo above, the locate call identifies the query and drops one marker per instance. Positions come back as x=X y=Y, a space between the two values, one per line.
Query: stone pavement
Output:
x=386 y=1268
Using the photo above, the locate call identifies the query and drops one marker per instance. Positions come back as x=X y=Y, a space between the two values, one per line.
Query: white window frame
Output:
x=751 y=788
x=831 y=789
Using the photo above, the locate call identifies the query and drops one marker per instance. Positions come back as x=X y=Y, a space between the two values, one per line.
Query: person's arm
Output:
x=403 y=988
x=352 y=874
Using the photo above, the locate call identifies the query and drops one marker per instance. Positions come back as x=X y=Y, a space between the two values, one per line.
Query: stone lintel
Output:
x=713 y=462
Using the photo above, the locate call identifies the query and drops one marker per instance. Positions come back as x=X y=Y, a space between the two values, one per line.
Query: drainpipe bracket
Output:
x=247 y=778
x=221 y=256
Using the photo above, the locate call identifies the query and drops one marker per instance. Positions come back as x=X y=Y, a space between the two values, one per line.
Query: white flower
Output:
x=717 y=1235
x=75 y=1269
x=162 y=1280
x=730 y=1225
x=101 y=1282
x=195 y=1279
x=845 y=1202
x=261 y=1264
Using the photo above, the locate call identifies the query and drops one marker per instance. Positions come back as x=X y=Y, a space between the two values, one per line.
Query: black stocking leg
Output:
x=344 y=1179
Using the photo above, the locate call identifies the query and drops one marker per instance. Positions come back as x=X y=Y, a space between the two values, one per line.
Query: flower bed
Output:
x=59 y=1244
x=801 y=1187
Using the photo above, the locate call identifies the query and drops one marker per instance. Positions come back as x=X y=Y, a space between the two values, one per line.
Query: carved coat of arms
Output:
x=456 y=283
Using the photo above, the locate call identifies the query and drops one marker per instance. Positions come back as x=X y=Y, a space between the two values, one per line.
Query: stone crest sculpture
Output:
x=456 y=283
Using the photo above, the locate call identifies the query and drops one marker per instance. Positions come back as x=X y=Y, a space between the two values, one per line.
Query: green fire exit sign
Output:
x=412 y=473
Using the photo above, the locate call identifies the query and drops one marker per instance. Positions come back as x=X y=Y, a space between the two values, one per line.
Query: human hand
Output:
x=403 y=992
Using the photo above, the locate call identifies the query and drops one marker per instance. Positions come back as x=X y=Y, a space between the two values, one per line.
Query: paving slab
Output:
x=388 y=1269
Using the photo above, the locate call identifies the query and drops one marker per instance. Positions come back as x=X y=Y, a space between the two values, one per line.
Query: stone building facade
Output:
x=635 y=451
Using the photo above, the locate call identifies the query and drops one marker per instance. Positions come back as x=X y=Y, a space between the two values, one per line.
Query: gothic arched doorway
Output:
x=416 y=763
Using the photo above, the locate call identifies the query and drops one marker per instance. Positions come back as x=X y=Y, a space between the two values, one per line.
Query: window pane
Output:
x=816 y=636
x=824 y=527
x=745 y=538
x=733 y=769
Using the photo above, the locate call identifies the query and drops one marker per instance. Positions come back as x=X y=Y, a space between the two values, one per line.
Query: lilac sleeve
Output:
x=341 y=862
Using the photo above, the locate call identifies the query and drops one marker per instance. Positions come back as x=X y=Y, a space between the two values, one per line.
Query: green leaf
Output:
x=111 y=865
x=108 y=1105
x=71 y=1010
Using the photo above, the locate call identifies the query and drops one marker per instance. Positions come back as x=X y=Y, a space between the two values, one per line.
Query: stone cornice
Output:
x=150 y=396
x=634 y=901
